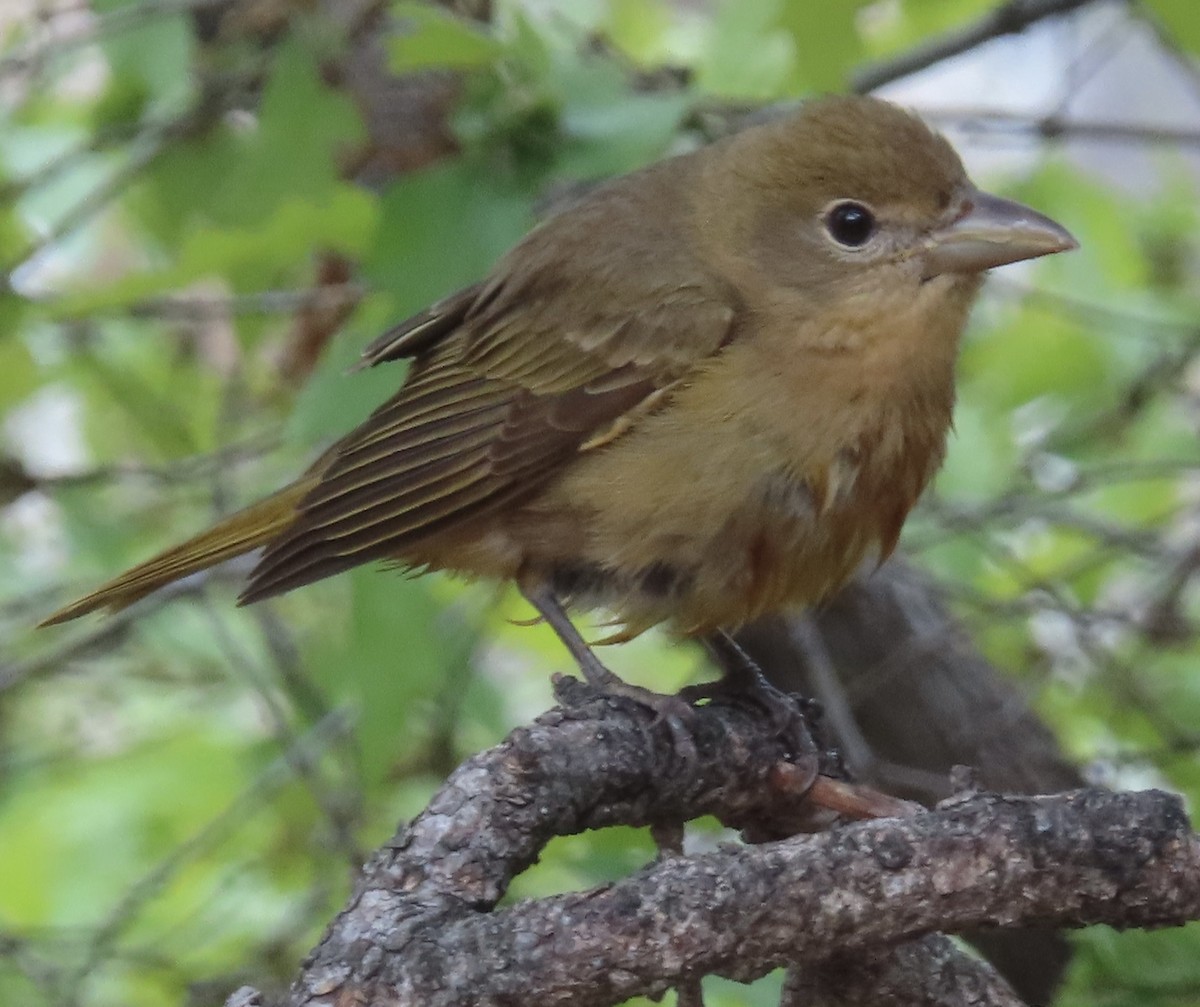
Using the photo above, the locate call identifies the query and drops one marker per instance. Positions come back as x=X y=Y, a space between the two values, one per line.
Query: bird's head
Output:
x=851 y=193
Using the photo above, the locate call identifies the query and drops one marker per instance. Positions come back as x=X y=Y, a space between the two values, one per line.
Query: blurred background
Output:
x=207 y=207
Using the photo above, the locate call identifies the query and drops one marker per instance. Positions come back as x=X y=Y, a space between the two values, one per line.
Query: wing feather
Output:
x=423 y=330
x=511 y=378
x=406 y=449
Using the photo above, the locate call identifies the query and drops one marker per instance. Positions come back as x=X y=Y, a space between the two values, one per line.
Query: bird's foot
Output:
x=743 y=683
x=672 y=712
x=788 y=713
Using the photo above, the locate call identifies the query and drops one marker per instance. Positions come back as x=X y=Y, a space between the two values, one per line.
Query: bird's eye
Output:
x=850 y=224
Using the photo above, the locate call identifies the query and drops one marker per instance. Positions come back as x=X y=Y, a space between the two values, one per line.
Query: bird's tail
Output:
x=239 y=533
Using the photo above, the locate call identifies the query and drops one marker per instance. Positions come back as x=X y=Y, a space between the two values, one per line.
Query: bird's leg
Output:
x=674 y=711
x=551 y=609
x=740 y=672
x=742 y=679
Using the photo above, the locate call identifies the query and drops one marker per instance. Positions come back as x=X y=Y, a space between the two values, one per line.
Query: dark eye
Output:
x=850 y=224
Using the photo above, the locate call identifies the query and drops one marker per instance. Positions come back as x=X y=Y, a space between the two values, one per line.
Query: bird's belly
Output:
x=695 y=557
x=700 y=555
x=768 y=554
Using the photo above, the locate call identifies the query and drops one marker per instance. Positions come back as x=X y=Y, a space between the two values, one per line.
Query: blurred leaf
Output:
x=765 y=992
x=164 y=409
x=149 y=59
x=901 y=25
x=568 y=863
x=1048 y=355
x=1181 y=19
x=1148 y=969
x=981 y=453
x=638 y=28
x=740 y=28
x=238 y=174
x=438 y=230
x=18 y=375
x=443 y=228
x=129 y=805
x=124 y=102
x=826 y=42
x=431 y=37
x=554 y=113
x=253 y=257
x=1144 y=502
x=609 y=130
x=333 y=401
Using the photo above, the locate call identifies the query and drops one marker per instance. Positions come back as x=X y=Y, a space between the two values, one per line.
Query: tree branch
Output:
x=1007 y=19
x=420 y=927
x=930 y=972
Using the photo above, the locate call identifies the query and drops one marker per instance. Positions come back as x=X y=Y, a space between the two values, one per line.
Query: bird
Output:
x=708 y=390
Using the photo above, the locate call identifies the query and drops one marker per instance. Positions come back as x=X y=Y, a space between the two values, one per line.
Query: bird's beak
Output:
x=992 y=232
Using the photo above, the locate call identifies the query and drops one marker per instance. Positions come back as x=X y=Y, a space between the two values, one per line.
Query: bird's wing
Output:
x=422 y=331
x=510 y=380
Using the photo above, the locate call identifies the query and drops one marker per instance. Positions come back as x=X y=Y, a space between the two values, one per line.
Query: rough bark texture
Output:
x=930 y=972
x=421 y=927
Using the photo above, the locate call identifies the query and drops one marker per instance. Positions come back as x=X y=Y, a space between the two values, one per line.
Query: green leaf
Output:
x=1036 y=354
x=890 y=27
x=150 y=60
x=639 y=28
x=443 y=228
x=438 y=230
x=981 y=455
x=252 y=257
x=124 y=101
x=1149 y=969
x=573 y=862
x=826 y=43
x=429 y=37
x=239 y=176
x=14 y=313
x=609 y=130
x=18 y=376
x=748 y=55
x=1181 y=19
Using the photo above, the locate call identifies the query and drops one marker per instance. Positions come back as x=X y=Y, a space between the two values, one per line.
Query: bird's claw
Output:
x=672 y=712
x=789 y=714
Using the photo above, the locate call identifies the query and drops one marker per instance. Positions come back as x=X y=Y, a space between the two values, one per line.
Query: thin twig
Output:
x=203 y=307
x=1008 y=19
x=997 y=122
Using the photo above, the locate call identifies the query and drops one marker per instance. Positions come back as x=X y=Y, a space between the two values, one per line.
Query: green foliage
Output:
x=1178 y=18
x=184 y=793
x=1155 y=970
x=144 y=59
x=430 y=37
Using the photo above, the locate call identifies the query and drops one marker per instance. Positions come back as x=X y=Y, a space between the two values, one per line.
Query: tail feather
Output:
x=248 y=529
